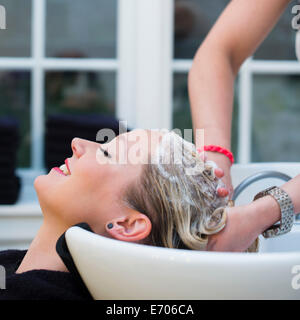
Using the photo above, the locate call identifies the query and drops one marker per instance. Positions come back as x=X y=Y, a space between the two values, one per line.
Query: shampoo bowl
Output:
x=113 y=269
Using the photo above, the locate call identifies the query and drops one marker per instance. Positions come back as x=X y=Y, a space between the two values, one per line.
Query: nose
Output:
x=78 y=147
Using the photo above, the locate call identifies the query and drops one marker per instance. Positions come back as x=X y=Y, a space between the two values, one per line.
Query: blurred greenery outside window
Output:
x=275 y=98
x=276 y=118
x=181 y=108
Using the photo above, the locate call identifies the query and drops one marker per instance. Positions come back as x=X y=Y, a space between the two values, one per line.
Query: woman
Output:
x=163 y=195
x=112 y=195
x=149 y=187
x=115 y=200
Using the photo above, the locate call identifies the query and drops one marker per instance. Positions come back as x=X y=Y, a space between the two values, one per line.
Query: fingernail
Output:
x=110 y=226
x=222 y=192
x=219 y=172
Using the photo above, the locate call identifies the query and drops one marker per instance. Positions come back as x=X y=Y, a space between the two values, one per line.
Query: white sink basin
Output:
x=114 y=269
x=286 y=243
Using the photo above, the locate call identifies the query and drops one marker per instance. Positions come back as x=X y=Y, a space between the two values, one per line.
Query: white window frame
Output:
x=250 y=68
x=38 y=64
x=142 y=66
x=145 y=49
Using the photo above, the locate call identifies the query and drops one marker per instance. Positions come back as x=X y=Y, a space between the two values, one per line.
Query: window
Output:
x=56 y=57
x=266 y=95
x=193 y=19
x=274 y=74
x=130 y=58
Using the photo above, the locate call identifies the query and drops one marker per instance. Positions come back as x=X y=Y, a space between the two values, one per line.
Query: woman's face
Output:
x=98 y=175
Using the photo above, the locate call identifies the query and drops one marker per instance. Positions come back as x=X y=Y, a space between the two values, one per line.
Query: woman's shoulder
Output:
x=37 y=284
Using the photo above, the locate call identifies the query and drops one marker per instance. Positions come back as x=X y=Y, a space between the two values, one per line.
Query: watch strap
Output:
x=286 y=208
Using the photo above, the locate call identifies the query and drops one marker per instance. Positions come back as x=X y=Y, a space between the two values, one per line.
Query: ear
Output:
x=133 y=227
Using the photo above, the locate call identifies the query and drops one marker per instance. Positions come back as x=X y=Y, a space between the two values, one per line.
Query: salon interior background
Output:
x=130 y=58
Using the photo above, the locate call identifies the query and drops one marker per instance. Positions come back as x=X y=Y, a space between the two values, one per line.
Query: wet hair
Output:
x=178 y=192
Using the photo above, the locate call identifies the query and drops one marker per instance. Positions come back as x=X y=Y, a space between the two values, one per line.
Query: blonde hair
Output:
x=178 y=192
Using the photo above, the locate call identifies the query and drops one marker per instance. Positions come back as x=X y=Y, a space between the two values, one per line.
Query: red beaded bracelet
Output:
x=218 y=149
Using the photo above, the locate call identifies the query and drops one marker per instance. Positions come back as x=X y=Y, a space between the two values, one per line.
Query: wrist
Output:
x=216 y=135
x=291 y=188
x=220 y=159
x=264 y=212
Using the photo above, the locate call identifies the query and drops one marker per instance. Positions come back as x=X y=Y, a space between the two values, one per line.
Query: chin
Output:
x=44 y=190
x=39 y=183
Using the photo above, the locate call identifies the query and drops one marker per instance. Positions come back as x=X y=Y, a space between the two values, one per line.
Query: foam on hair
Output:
x=178 y=190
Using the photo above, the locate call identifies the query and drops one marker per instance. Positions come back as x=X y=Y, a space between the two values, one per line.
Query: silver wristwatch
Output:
x=287 y=212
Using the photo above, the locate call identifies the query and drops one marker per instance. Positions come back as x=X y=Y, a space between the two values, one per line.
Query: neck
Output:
x=42 y=251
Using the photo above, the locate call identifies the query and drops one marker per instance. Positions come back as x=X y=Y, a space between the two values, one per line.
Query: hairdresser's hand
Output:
x=222 y=172
x=226 y=178
x=239 y=233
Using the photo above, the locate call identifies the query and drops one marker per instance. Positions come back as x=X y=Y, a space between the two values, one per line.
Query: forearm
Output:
x=245 y=223
x=227 y=46
x=266 y=211
x=211 y=86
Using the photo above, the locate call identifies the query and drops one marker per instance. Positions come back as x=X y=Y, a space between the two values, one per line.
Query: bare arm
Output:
x=236 y=35
x=246 y=223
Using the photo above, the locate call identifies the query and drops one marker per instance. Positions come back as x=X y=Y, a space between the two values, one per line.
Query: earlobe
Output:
x=132 y=228
x=110 y=225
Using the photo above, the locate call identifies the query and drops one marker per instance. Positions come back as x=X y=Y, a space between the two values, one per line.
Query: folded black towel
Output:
x=7 y=171
x=7 y=160
x=9 y=199
x=10 y=187
x=9 y=125
x=84 y=121
x=9 y=183
x=9 y=138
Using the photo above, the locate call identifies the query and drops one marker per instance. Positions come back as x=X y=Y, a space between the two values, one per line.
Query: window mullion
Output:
x=245 y=113
x=154 y=63
x=37 y=85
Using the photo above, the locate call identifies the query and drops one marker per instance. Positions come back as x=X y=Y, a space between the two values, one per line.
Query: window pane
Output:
x=15 y=40
x=181 y=106
x=15 y=103
x=73 y=92
x=78 y=104
x=182 y=114
x=280 y=44
x=81 y=29
x=276 y=118
x=193 y=20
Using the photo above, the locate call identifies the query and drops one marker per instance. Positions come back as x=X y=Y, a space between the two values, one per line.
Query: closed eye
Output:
x=105 y=152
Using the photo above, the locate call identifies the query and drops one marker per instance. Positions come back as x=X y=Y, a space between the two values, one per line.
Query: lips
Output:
x=59 y=171
x=64 y=169
x=67 y=165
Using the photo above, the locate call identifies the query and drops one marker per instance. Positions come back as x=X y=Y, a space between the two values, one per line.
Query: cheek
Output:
x=92 y=177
